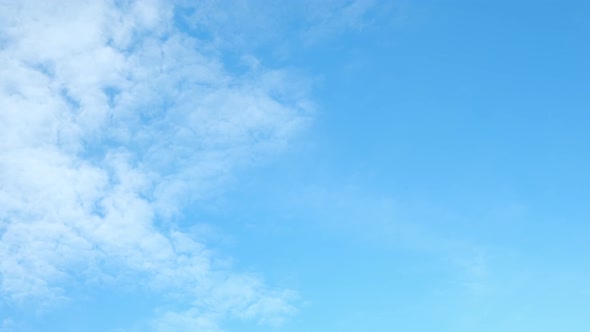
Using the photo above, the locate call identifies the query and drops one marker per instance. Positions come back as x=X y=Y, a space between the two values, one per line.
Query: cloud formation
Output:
x=111 y=120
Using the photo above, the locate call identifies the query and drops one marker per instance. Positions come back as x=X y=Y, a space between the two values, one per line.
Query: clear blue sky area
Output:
x=331 y=165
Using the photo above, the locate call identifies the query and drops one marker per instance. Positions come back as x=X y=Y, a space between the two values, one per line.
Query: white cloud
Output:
x=110 y=120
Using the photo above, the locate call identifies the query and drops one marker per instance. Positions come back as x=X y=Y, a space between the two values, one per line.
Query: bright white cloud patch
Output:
x=111 y=119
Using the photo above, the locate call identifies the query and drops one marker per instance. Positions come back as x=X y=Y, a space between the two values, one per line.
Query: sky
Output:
x=334 y=165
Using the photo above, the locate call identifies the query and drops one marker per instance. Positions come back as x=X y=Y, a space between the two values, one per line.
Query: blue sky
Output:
x=341 y=165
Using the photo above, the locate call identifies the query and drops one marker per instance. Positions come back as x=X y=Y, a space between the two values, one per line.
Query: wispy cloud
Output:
x=111 y=119
x=332 y=17
x=286 y=25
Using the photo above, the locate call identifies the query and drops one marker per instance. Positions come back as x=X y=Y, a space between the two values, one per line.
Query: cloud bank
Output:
x=112 y=118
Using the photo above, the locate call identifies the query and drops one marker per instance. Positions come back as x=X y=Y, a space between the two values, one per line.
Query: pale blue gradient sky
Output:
x=314 y=166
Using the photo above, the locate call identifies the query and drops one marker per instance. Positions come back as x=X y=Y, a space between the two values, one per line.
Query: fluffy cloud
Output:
x=111 y=119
